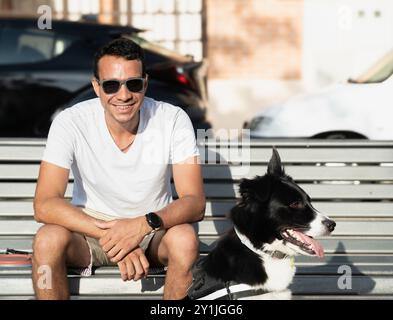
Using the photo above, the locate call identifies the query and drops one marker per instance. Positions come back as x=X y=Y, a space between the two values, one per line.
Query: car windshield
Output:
x=379 y=72
x=28 y=45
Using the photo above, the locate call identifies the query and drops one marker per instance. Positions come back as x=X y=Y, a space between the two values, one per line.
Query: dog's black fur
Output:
x=269 y=205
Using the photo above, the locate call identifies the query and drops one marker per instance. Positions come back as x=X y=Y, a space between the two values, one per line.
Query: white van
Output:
x=361 y=108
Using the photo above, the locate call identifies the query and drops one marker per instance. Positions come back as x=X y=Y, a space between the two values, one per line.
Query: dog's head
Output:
x=274 y=213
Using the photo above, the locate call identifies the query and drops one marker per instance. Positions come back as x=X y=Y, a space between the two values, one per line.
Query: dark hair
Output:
x=121 y=47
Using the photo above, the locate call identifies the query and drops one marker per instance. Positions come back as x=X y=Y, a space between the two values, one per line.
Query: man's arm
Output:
x=125 y=234
x=50 y=207
x=190 y=207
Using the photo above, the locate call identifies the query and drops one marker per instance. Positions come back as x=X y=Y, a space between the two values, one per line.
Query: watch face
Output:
x=154 y=220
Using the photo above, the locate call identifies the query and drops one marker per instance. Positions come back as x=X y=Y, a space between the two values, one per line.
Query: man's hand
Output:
x=134 y=266
x=122 y=236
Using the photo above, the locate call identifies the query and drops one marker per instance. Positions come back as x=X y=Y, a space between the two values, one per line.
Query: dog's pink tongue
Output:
x=315 y=245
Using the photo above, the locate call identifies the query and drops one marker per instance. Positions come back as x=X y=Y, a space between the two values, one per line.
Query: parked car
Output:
x=44 y=71
x=361 y=108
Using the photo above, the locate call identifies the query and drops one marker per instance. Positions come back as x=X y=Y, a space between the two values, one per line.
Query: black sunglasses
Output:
x=112 y=86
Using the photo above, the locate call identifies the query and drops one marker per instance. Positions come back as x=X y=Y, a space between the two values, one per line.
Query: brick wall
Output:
x=254 y=39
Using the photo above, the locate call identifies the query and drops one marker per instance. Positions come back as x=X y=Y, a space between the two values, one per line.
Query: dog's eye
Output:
x=296 y=205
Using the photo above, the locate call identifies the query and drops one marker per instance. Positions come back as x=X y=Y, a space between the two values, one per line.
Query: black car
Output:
x=44 y=71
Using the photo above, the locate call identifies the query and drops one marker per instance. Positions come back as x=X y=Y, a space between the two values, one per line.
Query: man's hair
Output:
x=123 y=48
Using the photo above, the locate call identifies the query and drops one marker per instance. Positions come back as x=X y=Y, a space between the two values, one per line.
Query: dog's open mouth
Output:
x=304 y=242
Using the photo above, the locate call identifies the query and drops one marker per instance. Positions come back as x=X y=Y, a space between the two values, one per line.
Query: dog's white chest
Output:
x=280 y=273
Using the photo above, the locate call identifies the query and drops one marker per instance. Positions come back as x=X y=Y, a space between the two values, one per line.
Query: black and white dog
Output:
x=273 y=221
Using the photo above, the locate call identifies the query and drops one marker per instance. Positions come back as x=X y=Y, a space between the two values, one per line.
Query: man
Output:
x=121 y=148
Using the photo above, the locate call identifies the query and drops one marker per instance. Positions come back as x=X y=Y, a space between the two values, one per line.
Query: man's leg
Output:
x=178 y=249
x=54 y=248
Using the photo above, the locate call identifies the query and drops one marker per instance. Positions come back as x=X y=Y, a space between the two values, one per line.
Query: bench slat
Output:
x=97 y=285
x=223 y=172
x=213 y=227
x=302 y=284
x=300 y=155
x=301 y=173
x=23 y=190
x=313 y=284
x=228 y=190
x=268 y=142
x=337 y=245
x=301 y=143
x=219 y=208
x=316 y=191
x=343 y=228
x=21 y=153
x=304 y=153
x=363 y=268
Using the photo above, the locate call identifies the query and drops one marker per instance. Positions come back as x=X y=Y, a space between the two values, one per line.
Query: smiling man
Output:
x=121 y=148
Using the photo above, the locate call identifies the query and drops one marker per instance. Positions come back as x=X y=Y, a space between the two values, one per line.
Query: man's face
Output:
x=122 y=106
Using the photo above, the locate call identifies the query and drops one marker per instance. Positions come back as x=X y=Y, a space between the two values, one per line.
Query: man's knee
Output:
x=51 y=240
x=182 y=242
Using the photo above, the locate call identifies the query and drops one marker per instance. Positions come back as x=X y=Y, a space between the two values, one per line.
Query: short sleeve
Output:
x=183 y=142
x=59 y=148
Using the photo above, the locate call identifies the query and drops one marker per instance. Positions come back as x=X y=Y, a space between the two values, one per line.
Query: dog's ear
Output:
x=257 y=189
x=274 y=167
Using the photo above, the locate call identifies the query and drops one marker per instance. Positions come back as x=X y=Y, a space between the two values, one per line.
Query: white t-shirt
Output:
x=106 y=179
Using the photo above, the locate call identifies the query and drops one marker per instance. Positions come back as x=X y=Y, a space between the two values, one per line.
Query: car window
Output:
x=19 y=46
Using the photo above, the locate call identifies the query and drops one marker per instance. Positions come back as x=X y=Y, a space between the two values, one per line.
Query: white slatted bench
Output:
x=351 y=181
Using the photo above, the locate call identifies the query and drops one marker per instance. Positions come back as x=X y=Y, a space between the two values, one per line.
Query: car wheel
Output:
x=338 y=135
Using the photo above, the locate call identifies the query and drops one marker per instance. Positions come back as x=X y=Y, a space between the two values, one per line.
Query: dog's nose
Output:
x=330 y=224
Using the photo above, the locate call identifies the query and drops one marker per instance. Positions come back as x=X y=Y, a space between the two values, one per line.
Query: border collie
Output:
x=273 y=221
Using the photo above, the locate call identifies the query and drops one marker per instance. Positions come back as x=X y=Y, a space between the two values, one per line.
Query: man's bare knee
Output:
x=182 y=244
x=51 y=240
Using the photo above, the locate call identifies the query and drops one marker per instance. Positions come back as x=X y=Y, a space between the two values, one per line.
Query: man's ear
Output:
x=146 y=82
x=96 y=86
x=274 y=167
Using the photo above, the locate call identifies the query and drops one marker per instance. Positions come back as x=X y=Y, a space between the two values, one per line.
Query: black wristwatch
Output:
x=154 y=221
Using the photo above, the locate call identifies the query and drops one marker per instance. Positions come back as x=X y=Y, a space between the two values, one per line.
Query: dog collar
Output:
x=274 y=254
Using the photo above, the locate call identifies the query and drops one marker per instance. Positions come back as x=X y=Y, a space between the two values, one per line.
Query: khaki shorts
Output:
x=98 y=258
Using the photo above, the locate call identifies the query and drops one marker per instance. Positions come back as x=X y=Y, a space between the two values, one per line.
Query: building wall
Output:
x=254 y=38
x=342 y=38
x=254 y=50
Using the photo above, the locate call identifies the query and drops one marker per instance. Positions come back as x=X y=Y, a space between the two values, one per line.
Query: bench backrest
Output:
x=350 y=181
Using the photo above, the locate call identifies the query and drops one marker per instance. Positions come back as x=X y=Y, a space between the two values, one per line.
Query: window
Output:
x=19 y=46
